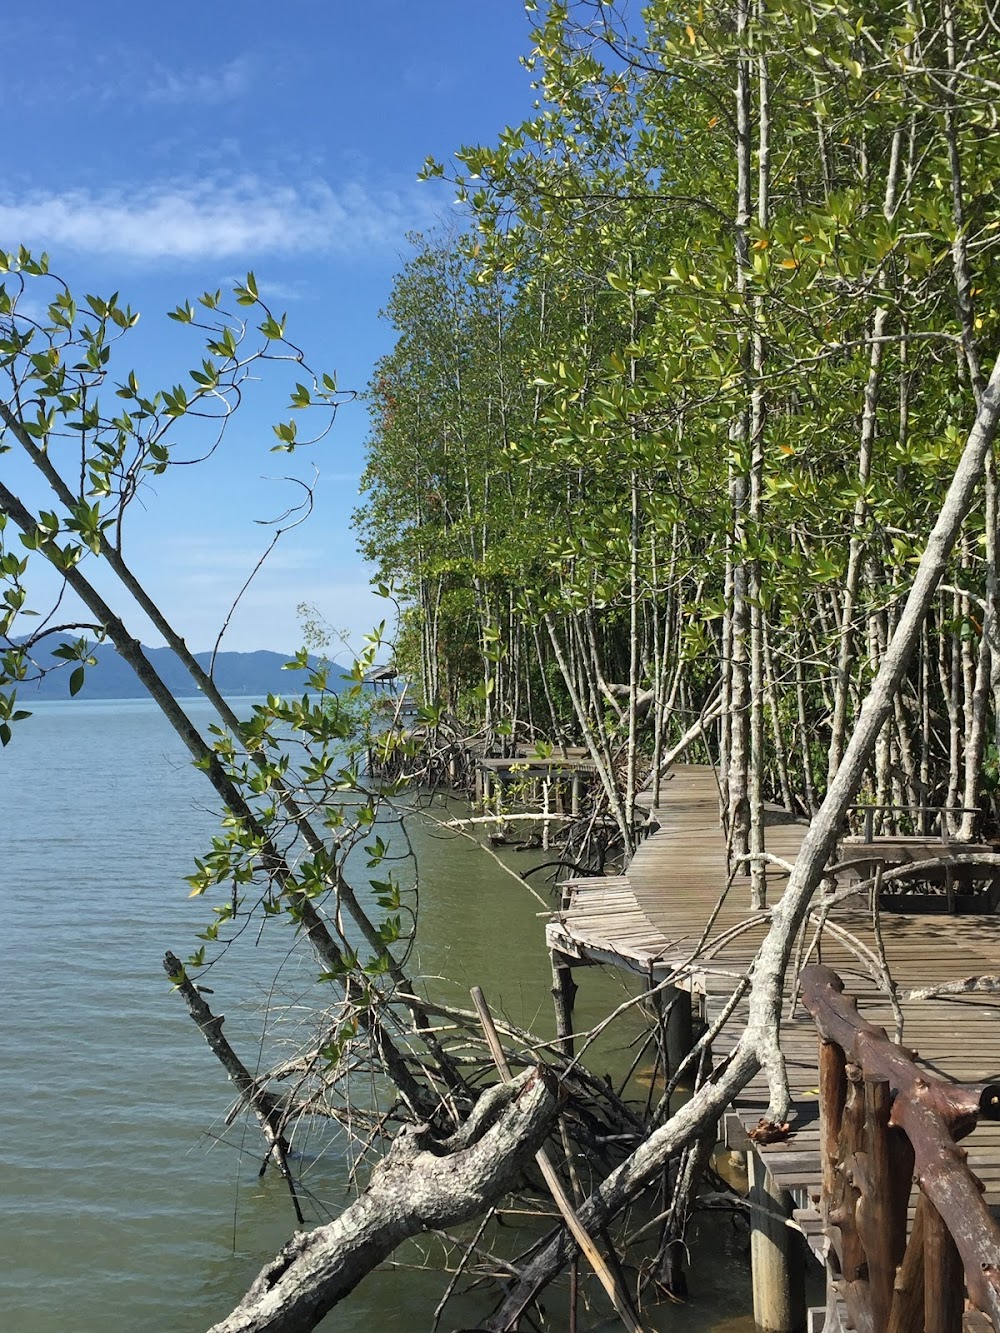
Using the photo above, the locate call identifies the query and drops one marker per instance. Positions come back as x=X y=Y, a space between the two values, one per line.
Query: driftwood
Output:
x=988 y=984
x=889 y=1122
x=421 y=1185
x=600 y=1265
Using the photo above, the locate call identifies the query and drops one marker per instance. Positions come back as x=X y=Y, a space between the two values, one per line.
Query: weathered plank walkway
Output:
x=653 y=920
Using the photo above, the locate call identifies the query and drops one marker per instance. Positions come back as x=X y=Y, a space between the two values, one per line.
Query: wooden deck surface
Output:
x=653 y=919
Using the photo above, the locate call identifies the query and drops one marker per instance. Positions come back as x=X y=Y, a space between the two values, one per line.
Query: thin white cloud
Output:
x=191 y=87
x=206 y=559
x=213 y=218
x=272 y=290
x=267 y=615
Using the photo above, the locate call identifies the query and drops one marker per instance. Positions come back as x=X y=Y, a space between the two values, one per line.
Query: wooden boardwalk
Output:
x=547 y=774
x=653 y=920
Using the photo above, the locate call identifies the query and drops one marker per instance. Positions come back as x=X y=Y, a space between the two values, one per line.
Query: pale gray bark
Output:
x=598 y=751
x=821 y=837
x=855 y=555
x=738 y=767
x=778 y=740
x=633 y=719
x=421 y=1185
x=991 y=616
x=758 y=420
x=977 y=674
x=869 y=427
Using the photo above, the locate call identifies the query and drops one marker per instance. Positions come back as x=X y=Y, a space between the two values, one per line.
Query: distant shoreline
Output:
x=47 y=700
x=236 y=675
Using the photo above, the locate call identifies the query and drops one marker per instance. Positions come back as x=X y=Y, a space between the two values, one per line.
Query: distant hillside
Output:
x=235 y=674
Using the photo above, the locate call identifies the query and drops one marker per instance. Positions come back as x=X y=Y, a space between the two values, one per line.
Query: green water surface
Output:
x=125 y=1203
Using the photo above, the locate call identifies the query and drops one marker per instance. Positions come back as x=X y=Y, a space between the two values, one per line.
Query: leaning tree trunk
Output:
x=738 y=770
x=420 y=1186
x=821 y=837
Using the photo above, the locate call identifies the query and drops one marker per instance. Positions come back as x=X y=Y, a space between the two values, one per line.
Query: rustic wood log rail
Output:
x=886 y=1123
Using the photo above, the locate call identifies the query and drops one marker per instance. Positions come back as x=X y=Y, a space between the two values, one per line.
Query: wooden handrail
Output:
x=883 y=1122
x=870 y=811
x=918 y=809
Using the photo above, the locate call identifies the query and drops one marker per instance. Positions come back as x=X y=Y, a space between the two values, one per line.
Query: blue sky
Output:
x=164 y=150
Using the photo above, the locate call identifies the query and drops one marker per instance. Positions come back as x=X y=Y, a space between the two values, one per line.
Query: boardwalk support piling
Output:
x=679 y=1029
x=671 y=1011
x=779 y=1304
x=564 y=990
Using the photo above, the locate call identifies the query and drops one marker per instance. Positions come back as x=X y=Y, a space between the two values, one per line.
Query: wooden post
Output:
x=679 y=1035
x=574 y=798
x=832 y=1093
x=674 y=1036
x=944 y=1281
x=907 y=1314
x=779 y=1304
x=564 y=990
x=844 y=1196
x=881 y=1220
x=546 y=804
x=832 y=1096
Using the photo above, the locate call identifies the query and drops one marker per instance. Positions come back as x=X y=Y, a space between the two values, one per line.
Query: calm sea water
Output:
x=125 y=1204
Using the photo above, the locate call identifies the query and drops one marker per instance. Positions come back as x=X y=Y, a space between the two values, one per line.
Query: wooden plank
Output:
x=653 y=916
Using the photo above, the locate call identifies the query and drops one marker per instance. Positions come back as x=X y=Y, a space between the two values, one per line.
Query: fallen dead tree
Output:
x=422 y=1184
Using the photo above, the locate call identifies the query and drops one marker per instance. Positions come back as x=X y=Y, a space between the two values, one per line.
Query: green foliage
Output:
x=563 y=429
x=289 y=774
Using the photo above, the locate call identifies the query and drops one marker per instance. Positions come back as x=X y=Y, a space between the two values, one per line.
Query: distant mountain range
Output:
x=236 y=674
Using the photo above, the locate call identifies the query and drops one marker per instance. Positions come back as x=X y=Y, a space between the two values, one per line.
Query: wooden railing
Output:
x=885 y=1123
x=940 y=811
